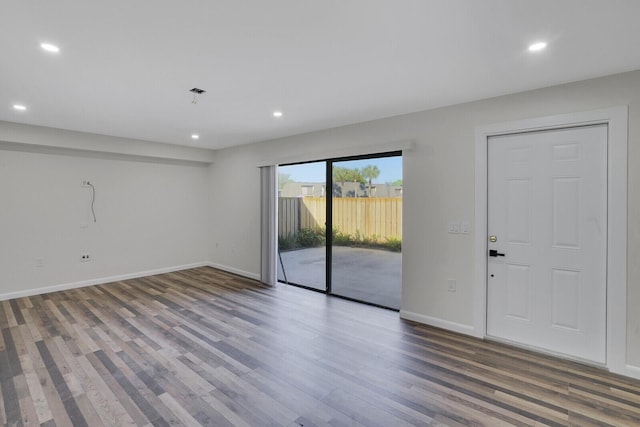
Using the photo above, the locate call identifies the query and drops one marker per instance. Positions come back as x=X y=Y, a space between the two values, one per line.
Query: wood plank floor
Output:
x=204 y=347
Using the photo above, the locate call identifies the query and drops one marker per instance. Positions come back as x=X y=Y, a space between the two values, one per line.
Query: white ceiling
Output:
x=125 y=67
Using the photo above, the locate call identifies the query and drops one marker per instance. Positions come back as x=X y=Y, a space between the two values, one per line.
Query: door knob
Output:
x=493 y=252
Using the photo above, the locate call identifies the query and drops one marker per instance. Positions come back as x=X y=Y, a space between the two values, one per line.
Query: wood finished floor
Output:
x=204 y=347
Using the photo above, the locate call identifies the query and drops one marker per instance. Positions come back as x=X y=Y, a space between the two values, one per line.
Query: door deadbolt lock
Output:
x=493 y=239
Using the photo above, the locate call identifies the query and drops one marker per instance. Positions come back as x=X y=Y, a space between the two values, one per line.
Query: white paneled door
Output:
x=547 y=242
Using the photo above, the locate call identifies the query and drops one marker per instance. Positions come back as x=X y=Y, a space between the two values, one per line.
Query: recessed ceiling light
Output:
x=195 y=136
x=50 y=47
x=277 y=114
x=537 y=46
x=19 y=107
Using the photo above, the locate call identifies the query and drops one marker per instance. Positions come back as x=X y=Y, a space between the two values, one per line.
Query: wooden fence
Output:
x=379 y=216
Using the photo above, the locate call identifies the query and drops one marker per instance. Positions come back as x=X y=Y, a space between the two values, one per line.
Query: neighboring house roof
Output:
x=351 y=189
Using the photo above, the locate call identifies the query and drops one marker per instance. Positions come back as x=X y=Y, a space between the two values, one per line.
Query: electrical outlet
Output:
x=465 y=227
x=451 y=285
x=86 y=257
x=453 y=227
x=39 y=262
x=85 y=183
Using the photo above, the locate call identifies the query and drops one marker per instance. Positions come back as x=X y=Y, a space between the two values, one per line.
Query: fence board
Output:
x=377 y=216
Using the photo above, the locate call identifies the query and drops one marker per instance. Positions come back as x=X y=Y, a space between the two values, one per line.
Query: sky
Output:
x=390 y=169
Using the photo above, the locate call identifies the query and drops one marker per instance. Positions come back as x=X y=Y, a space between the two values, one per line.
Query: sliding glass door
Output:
x=360 y=200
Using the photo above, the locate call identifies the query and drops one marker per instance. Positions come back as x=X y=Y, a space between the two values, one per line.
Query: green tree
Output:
x=355 y=176
x=370 y=172
x=341 y=175
x=397 y=183
x=283 y=179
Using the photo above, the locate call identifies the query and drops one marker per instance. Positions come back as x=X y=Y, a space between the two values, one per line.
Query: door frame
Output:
x=616 y=119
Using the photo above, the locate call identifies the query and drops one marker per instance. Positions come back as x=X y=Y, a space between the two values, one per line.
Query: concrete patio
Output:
x=371 y=275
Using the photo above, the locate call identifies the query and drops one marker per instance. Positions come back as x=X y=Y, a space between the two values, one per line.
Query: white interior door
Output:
x=547 y=208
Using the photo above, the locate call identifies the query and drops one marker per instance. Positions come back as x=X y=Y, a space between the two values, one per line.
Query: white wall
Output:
x=438 y=188
x=151 y=216
x=234 y=230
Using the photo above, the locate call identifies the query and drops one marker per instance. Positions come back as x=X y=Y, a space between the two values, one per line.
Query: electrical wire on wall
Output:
x=93 y=199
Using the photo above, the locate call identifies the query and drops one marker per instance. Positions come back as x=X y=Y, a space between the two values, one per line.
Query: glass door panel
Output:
x=366 y=256
x=302 y=201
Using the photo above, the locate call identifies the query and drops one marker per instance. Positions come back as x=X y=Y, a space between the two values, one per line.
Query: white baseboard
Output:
x=98 y=281
x=438 y=323
x=631 y=371
x=233 y=270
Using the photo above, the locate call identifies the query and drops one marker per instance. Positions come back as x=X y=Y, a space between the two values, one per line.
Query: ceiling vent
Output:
x=196 y=91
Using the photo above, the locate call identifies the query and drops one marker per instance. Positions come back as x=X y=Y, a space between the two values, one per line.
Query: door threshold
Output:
x=546 y=352
x=320 y=291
